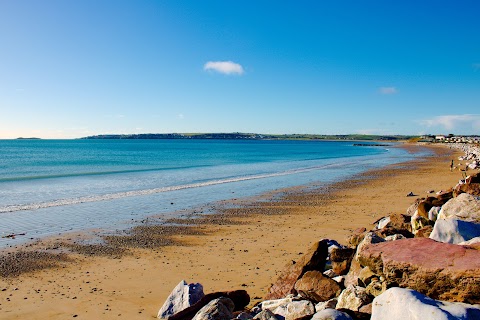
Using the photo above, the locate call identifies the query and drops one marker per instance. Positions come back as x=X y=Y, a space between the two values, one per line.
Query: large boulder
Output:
x=314 y=259
x=182 y=296
x=407 y=304
x=464 y=207
x=440 y=270
x=454 y=231
x=331 y=314
x=316 y=287
x=470 y=188
x=217 y=309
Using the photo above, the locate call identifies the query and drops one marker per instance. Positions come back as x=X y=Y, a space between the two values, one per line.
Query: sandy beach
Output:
x=243 y=246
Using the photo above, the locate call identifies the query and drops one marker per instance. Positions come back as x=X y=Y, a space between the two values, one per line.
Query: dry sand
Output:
x=243 y=248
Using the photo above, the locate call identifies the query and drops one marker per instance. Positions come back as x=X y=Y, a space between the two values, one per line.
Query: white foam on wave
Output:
x=119 y=195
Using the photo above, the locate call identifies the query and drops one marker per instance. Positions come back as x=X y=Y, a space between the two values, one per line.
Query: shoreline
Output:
x=241 y=247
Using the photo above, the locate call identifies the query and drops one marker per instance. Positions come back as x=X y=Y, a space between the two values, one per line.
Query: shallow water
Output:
x=50 y=187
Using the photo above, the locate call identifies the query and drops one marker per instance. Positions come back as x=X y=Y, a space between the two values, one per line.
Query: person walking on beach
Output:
x=451 y=166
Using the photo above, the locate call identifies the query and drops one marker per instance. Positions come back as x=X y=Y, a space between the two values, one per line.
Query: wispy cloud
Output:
x=180 y=116
x=388 y=90
x=451 y=122
x=225 y=67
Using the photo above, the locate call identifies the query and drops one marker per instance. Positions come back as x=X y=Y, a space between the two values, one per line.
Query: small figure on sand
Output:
x=451 y=165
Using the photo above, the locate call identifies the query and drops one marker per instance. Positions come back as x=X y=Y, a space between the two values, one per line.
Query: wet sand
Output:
x=242 y=245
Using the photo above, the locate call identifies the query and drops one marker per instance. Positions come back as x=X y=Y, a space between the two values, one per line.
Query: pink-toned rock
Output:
x=314 y=259
x=439 y=270
x=316 y=287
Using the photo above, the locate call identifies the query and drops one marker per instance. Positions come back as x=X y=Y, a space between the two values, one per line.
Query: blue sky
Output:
x=75 y=68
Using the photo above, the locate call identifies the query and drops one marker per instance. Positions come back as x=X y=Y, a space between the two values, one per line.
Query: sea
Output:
x=52 y=187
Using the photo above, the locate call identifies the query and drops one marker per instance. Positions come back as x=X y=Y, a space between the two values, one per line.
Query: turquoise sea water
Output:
x=53 y=186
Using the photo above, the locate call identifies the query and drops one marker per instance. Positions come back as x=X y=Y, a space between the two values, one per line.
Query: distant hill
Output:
x=21 y=138
x=249 y=136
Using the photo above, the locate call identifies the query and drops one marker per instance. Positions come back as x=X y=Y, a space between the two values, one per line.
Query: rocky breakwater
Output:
x=422 y=263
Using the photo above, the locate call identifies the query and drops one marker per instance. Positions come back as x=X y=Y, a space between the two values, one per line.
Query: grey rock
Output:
x=182 y=296
x=218 y=309
x=330 y=304
x=464 y=207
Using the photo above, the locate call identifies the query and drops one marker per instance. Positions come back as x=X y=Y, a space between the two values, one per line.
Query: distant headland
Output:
x=250 y=136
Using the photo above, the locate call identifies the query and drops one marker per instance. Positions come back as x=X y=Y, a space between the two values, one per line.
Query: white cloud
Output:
x=451 y=122
x=225 y=67
x=388 y=90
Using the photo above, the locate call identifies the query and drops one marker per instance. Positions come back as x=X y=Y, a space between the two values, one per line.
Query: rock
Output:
x=382 y=222
x=369 y=238
x=182 y=296
x=433 y=213
x=265 y=315
x=365 y=276
x=410 y=194
x=400 y=221
x=424 y=232
x=376 y=288
x=352 y=276
x=390 y=231
x=341 y=259
x=418 y=222
x=273 y=304
x=217 y=309
x=295 y=310
x=411 y=210
x=470 y=188
x=240 y=300
x=330 y=274
x=366 y=308
x=353 y=298
x=407 y=304
x=330 y=304
x=440 y=270
x=464 y=207
x=244 y=316
x=454 y=231
x=395 y=237
x=314 y=259
x=470 y=242
x=316 y=287
x=340 y=280
x=331 y=314
x=356 y=237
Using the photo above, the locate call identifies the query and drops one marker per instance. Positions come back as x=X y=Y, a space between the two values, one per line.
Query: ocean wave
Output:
x=125 y=194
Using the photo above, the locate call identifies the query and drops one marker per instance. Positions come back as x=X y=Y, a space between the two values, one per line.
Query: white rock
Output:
x=383 y=222
x=470 y=242
x=218 y=309
x=464 y=207
x=353 y=298
x=454 y=231
x=295 y=310
x=273 y=304
x=394 y=237
x=331 y=314
x=330 y=273
x=433 y=213
x=329 y=304
x=407 y=304
x=339 y=279
x=182 y=296
x=244 y=316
